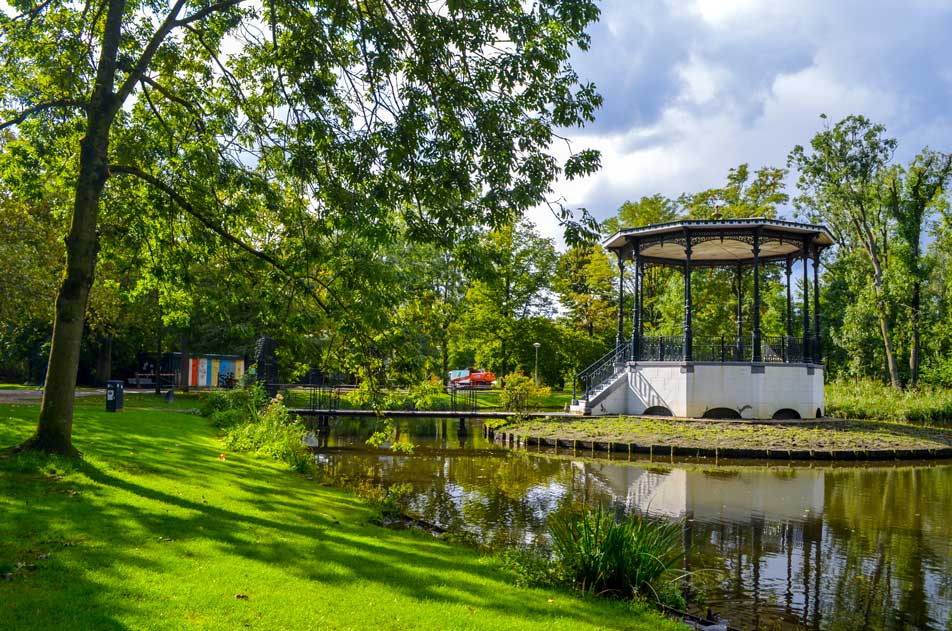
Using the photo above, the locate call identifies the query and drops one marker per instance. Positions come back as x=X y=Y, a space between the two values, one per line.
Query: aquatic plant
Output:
x=597 y=554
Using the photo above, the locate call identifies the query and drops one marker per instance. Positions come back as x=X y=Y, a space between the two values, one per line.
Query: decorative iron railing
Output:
x=601 y=369
x=662 y=348
x=670 y=348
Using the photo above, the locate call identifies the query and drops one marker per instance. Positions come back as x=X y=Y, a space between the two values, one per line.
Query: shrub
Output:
x=519 y=392
x=532 y=565
x=224 y=419
x=274 y=433
x=596 y=554
x=249 y=399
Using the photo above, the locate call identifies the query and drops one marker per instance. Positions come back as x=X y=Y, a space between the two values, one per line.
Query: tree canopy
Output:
x=302 y=134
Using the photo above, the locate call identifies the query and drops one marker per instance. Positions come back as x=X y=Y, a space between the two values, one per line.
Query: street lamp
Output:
x=537 y=345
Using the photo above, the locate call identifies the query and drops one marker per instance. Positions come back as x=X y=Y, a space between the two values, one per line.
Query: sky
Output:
x=692 y=88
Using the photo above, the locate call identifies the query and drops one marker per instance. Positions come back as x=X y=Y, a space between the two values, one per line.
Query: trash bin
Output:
x=114 y=396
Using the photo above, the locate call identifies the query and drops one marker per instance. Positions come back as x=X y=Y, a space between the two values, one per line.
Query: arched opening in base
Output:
x=786 y=414
x=819 y=413
x=658 y=410
x=722 y=413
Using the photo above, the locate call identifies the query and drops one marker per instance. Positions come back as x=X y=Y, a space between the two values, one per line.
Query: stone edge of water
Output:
x=580 y=447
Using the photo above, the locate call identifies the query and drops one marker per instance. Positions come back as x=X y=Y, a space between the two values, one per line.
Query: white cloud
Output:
x=745 y=81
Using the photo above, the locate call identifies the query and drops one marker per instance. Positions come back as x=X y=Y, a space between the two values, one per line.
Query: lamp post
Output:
x=537 y=345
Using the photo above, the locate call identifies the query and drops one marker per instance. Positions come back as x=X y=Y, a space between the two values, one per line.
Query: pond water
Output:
x=769 y=547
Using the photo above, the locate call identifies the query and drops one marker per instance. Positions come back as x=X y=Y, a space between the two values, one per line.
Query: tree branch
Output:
x=185 y=205
x=171 y=96
x=198 y=15
x=41 y=107
x=151 y=48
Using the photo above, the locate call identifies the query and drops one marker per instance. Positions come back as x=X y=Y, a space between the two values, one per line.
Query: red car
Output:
x=472 y=378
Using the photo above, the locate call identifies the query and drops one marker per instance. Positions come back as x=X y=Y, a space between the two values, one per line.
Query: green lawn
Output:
x=153 y=531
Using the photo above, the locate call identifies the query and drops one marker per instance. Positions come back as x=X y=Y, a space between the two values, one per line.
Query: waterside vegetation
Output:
x=867 y=399
x=159 y=527
x=666 y=432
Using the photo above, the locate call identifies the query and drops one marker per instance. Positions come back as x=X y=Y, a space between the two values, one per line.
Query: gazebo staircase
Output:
x=595 y=382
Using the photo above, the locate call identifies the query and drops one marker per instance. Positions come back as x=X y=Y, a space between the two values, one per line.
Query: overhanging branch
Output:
x=41 y=107
x=187 y=206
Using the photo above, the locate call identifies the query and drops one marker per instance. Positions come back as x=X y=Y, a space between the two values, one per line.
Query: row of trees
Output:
x=302 y=138
x=350 y=178
x=419 y=309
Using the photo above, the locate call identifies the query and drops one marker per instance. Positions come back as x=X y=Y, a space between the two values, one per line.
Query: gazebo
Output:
x=752 y=376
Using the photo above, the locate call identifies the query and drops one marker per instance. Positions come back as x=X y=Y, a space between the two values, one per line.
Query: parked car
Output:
x=470 y=378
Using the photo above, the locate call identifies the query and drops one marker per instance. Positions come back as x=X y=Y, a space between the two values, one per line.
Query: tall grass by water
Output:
x=873 y=400
x=597 y=554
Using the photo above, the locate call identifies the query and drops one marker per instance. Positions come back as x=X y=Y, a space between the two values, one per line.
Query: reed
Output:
x=597 y=554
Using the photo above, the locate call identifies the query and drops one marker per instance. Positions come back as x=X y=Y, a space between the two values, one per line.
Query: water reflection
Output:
x=792 y=548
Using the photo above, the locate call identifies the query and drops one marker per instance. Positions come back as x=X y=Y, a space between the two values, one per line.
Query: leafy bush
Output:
x=272 y=432
x=519 y=392
x=224 y=419
x=249 y=399
x=596 y=554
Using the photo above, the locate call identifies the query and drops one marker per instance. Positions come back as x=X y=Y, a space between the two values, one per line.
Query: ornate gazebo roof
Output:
x=719 y=242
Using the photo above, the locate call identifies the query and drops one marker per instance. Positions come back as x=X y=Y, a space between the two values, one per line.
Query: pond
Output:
x=769 y=547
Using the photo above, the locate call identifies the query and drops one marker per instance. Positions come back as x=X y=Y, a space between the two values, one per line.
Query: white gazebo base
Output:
x=710 y=390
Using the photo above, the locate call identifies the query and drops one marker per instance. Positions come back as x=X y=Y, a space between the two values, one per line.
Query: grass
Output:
x=153 y=530
x=597 y=554
x=724 y=434
x=874 y=400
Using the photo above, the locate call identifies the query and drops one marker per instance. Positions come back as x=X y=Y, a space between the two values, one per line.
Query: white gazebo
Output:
x=741 y=377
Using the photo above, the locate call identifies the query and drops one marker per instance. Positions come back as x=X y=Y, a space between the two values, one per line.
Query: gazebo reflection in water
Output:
x=741 y=376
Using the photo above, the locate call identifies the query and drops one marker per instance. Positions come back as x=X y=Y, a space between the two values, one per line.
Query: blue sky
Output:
x=694 y=87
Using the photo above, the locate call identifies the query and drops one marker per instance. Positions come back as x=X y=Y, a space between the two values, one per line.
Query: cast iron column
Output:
x=620 y=336
x=636 y=310
x=817 y=351
x=688 y=349
x=739 y=342
x=756 y=341
x=789 y=269
x=807 y=354
x=641 y=300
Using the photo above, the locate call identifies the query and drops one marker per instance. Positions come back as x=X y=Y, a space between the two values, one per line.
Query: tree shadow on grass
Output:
x=329 y=549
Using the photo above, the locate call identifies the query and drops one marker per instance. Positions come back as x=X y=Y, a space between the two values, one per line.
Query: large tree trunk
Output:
x=55 y=427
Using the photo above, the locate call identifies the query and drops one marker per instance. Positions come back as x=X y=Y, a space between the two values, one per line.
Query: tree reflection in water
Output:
x=831 y=548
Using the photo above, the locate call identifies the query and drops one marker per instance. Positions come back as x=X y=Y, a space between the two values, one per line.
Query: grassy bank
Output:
x=873 y=400
x=155 y=530
x=853 y=435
